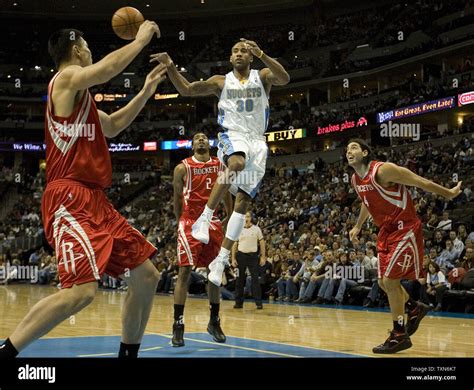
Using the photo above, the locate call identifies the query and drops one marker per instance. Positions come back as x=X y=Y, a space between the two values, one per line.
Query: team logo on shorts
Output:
x=68 y=256
x=406 y=262
x=405 y=255
x=66 y=226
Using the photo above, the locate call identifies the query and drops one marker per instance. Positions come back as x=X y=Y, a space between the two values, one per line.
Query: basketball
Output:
x=126 y=21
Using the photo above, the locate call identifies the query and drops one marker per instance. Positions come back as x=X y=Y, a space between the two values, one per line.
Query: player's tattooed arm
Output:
x=275 y=73
x=211 y=86
x=391 y=173
x=269 y=78
x=178 y=185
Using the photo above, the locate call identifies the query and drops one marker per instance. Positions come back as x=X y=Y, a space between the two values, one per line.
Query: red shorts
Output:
x=90 y=237
x=401 y=252
x=193 y=252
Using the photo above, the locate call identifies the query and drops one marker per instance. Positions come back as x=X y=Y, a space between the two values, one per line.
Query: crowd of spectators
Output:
x=305 y=212
x=368 y=26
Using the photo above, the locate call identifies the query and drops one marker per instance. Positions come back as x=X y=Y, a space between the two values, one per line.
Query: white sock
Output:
x=207 y=213
x=235 y=226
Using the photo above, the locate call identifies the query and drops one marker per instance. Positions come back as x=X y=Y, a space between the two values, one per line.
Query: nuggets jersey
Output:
x=243 y=107
x=198 y=182
x=75 y=146
x=387 y=206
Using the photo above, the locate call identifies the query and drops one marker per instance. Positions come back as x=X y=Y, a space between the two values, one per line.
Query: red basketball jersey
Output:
x=198 y=182
x=387 y=206
x=75 y=146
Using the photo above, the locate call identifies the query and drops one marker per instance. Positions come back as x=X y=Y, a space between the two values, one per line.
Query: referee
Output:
x=245 y=255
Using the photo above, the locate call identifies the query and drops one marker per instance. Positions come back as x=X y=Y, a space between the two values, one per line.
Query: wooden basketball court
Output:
x=279 y=330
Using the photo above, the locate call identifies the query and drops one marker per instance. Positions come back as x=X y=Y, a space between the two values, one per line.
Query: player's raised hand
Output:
x=146 y=32
x=253 y=47
x=155 y=77
x=353 y=234
x=163 y=58
x=455 y=191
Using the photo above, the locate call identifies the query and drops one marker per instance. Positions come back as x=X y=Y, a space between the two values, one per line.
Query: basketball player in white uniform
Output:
x=243 y=115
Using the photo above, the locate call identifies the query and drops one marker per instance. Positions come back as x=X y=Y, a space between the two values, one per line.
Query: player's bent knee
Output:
x=381 y=285
x=236 y=164
x=143 y=278
x=82 y=295
x=242 y=203
x=184 y=273
x=154 y=276
x=391 y=284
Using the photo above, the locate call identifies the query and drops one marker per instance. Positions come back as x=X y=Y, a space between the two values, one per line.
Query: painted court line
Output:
x=203 y=342
x=232 y=346
x=150 y=349
x=98 y=354
x=304 y=346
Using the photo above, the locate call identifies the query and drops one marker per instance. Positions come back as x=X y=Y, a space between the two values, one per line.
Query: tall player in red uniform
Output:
x=90 y=237
x=382 y=190
x=193 y=180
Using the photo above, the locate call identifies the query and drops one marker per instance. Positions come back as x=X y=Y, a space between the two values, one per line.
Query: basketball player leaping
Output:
x=243 y=115
x=193 y=180
x=382 y=190
x=90 y=237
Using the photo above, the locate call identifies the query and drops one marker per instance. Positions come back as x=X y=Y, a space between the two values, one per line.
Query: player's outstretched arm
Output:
x=114 y=124
x=363 y=215
x=275 y=73
x=211 y=86
x=392 y=173
x=178 y=184
x=80 y=78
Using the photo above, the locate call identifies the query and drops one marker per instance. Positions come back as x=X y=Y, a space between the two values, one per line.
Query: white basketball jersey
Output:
x=243 y=107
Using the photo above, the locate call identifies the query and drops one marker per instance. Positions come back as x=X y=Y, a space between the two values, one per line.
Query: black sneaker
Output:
x=238 y=305
x=214 y=329
x=415 y=316
x=259 y=306
x=178 y=335
x=396 y=342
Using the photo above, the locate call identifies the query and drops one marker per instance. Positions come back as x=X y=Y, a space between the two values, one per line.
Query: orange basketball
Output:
x=126 y=22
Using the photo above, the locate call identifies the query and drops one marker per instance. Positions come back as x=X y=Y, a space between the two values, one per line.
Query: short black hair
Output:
x=200 y=132
x=61 y=42
x=364 y=146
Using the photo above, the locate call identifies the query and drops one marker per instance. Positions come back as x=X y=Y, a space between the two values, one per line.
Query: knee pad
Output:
x=234 y=226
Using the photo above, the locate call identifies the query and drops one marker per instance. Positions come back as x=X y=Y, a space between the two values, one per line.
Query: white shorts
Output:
x=255 y=150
